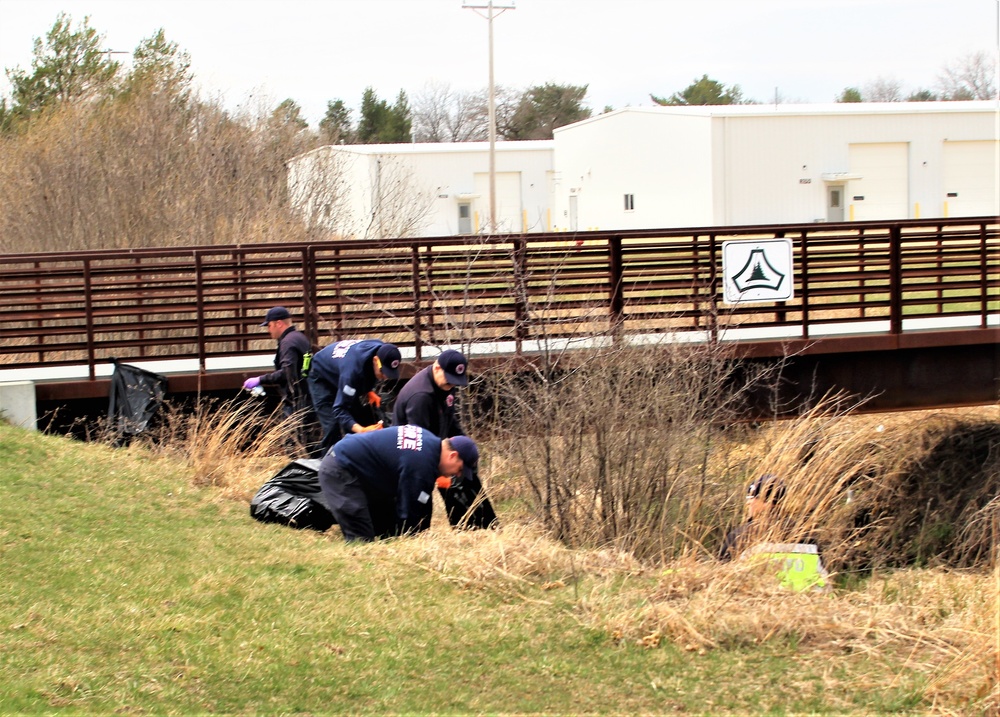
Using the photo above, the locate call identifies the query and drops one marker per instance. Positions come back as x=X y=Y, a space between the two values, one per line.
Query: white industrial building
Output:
x=425 y=189
x=656 y=167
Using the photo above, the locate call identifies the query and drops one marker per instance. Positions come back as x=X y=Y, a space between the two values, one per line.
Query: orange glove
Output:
x=374 y=399
x=373 y=427
x=444 y=482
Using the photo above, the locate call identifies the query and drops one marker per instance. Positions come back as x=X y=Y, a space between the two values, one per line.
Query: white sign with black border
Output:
x=757 y=271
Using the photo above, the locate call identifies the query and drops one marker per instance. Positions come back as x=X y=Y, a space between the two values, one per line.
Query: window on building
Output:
x=629 y=202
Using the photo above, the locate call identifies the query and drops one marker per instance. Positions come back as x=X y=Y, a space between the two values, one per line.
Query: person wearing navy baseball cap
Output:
x=430 y=400
x=380 y=484
x=342 y=381
x=286 y=379
x=454 y=366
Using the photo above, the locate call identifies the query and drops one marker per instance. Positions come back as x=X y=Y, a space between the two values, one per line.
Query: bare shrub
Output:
x=625 y=446
x=144 y=170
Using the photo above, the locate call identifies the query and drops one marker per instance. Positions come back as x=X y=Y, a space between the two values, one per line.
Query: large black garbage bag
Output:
x=293 y=497
x=135 y=396
x=467 y=505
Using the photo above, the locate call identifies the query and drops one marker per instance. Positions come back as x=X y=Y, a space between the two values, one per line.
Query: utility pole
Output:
x=489 y=7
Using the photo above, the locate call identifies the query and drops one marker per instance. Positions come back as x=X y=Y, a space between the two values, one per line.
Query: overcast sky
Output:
x=256 y=53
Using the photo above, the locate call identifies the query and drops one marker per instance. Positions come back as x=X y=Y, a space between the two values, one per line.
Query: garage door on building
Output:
x=970 y=179
x=508 y=201
x=882 y=192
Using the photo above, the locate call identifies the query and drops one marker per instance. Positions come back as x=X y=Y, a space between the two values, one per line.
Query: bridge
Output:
x=904 y=311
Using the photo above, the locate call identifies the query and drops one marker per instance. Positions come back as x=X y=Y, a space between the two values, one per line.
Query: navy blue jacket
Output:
x=422 y=403
x=347 y=368
x=400 y=462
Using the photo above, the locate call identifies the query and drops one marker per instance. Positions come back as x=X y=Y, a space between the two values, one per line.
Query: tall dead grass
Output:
x=232 y=446
x=937 y=625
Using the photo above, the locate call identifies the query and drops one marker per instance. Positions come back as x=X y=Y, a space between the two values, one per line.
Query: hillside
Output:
x=129 y=589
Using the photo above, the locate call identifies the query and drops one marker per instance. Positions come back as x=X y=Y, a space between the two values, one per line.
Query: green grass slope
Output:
x=126 y=590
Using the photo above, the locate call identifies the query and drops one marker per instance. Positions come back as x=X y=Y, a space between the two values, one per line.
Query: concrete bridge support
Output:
x=17 y=404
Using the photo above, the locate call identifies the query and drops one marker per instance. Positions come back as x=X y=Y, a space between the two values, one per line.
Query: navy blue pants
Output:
x=362 y=514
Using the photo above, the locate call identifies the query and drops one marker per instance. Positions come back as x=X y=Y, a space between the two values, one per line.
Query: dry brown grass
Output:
x=939 y=622
x=228 y=445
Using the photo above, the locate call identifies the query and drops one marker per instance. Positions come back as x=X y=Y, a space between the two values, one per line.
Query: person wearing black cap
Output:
x=286 y=378
x=379 y=484
x=430 y=400
x=342 y=377
x=763 y=494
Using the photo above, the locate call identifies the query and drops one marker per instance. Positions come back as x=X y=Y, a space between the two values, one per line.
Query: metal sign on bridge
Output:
x=757 y=271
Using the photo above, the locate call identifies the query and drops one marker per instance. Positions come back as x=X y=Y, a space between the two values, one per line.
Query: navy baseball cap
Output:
x=467 y=451
x=278 y=313
x=455 y=367
x=390 y=358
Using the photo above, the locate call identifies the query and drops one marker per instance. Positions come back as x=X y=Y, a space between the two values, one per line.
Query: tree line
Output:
x=69 y=64
x=101 y=154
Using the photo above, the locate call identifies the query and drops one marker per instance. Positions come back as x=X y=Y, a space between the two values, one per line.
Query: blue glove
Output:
x=251 y=383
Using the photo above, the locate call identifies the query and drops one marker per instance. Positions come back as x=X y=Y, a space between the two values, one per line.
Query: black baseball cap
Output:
x=767 y=487
x=455 y=367
x=390 y=358
x=278 y=313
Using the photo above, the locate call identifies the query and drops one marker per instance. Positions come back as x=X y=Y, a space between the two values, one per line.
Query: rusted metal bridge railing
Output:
x=881 y=278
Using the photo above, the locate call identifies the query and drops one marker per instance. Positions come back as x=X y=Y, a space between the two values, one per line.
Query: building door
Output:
x=970 y=178
x=835 y=202
x=508 y=198
x=883 y=190
x=572 y=212
x=464 y=218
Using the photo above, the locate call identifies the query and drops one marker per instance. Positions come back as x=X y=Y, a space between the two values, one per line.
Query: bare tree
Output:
x=397 y=206
x=441 y=114
x=318 y=191
x=883 y=89
x=972 y=77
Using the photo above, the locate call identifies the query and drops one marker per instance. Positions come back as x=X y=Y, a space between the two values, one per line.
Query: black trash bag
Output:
x=459 y=501
x=293 y=497
x=133 y=400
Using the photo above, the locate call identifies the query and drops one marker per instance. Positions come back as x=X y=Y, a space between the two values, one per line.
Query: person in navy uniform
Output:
x=379 y=484
x=430 y=400
x=342 y=377
x=286 y=378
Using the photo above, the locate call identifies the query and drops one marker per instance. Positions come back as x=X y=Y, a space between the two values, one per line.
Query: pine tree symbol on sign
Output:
x=758 y=273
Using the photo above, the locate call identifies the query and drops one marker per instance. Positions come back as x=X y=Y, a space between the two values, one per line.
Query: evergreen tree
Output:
x=160 y=66
x=704 y=91
x=544 y=108
x=373 y=112
x=336 y=123
x=381 y=123
x=68 y=65
x=288 y=114
x=399 y=121
x=850 y=94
